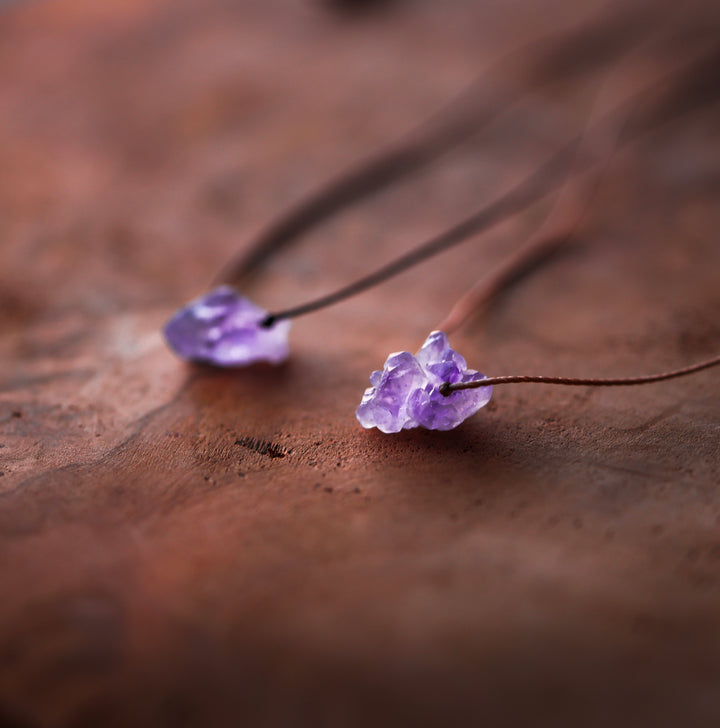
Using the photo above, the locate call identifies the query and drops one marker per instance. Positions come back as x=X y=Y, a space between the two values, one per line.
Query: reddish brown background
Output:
x=554 y=561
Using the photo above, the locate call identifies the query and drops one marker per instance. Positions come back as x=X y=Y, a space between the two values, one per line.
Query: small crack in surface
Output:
x=263 y=447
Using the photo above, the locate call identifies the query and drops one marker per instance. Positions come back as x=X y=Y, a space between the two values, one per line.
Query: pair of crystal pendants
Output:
x=223 y=328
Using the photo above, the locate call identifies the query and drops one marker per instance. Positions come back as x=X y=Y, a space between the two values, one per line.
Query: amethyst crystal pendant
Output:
x=223 y=328
x=406 y=393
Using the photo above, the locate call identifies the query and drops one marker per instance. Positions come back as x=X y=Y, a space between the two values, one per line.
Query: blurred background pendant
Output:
x=223 y=328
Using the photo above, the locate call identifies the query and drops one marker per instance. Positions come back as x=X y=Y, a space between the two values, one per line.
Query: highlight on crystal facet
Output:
x=223 y=328
x=406 y=393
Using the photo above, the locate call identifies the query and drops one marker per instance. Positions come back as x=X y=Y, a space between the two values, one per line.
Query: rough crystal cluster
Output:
x=223 y=328
x=406 y=393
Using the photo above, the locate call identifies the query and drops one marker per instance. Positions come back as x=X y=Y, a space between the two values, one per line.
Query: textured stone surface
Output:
x=406 y=393
x=189 y=547
x=222 y=328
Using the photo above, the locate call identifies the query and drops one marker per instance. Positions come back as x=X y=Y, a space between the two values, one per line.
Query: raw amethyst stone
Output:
x=222 y=328
x=385 y=404
x=406 y=393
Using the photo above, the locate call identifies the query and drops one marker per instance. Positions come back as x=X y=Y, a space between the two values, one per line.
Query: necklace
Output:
x=433 y=389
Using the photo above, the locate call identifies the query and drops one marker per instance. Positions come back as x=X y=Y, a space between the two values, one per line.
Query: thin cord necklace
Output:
x=434 y=389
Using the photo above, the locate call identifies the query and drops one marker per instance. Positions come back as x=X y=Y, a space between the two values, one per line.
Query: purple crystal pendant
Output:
x=223 y=328
x=406 y=393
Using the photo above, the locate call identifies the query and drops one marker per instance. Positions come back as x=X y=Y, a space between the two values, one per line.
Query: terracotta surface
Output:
x=187 y=547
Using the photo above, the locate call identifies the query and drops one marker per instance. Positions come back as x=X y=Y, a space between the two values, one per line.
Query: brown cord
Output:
x=562 y=225
x=446 y=389
x=642 y=112
x=558 y=57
